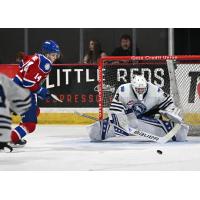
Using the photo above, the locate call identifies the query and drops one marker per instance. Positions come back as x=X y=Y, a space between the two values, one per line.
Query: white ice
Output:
x=59 y=147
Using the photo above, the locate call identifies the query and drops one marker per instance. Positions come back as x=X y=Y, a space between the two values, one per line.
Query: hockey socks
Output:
x=18 y=133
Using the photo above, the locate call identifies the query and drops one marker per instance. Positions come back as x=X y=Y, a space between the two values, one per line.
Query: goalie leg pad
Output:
x=119 y=119
x=94 y=131
x=181 y=135
x=120 y=131
x=172 y=116
x=100 y=130
x=154 y=125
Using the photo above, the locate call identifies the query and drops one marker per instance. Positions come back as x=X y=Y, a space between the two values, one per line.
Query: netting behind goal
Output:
x=176 y=75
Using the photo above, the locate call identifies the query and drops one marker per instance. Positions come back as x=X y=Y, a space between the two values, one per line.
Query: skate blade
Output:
x=6 y=150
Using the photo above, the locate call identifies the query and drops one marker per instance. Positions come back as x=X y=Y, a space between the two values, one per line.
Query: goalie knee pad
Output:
x=119 y=119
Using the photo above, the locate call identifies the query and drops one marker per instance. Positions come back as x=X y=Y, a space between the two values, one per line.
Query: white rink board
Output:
x=54 y=147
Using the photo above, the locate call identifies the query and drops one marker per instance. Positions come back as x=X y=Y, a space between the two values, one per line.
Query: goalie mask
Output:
x=139 y=85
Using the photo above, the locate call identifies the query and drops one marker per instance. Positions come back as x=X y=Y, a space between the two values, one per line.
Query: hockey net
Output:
x=178 y=76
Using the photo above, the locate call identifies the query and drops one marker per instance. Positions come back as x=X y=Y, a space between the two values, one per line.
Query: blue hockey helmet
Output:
x=50 y=46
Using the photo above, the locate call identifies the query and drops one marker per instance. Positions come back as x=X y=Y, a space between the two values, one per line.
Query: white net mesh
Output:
x=187 y=76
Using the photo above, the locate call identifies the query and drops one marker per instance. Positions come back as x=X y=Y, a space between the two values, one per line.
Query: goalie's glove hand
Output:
x=172 y=115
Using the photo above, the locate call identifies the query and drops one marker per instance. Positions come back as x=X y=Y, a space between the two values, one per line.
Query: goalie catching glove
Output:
x=172 y=115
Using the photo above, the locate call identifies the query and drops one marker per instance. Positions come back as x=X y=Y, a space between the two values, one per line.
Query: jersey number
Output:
x=37 y=77
x=2 y=97
x=117 y=97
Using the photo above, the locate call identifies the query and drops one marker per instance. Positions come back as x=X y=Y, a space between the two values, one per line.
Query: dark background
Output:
x=187 y=41
x=83 y=93
x=150 y=41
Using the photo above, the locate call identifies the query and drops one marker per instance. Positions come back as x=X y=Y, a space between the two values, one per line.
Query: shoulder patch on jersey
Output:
x=45 y=64
x=159 y=90
x=122 y=88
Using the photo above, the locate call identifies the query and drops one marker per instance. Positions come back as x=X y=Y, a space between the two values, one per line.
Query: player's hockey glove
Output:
x=172 y=115
x=44 y=93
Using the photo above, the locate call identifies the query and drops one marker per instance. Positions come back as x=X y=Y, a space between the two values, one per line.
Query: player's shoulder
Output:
x=3 y=78
x=24 y=58
x=124 y=88
x=154 y=89
x=44 y=64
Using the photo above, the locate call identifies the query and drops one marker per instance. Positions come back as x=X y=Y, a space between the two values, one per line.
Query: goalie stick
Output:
x=143 y=134
x=151 y=137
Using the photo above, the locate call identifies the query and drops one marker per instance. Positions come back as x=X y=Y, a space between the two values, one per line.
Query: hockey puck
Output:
x=159 y=152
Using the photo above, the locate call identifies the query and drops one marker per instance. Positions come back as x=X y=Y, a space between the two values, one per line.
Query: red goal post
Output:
x=175 y=71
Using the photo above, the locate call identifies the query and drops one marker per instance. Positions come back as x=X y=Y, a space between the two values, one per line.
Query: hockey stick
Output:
x=56 y=98
x=143 y=134
x=86 y=116
x=155 y=138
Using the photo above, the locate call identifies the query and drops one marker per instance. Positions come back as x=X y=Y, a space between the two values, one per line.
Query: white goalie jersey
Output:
x=12 y=99
x=135 y=106
x=154 y=99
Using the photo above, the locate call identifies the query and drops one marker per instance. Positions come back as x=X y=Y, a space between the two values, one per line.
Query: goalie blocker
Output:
x=134 y=111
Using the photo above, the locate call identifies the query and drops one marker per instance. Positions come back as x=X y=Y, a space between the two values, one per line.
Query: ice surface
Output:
x=57 y=147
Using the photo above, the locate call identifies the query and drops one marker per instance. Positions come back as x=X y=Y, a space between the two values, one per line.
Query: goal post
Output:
x=178 y=76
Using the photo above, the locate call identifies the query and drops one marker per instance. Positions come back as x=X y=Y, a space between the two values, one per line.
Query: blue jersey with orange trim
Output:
x=33 y=70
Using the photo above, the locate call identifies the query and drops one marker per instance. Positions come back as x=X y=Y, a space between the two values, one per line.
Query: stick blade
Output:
x=56 y=98
x=169 y=135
